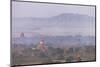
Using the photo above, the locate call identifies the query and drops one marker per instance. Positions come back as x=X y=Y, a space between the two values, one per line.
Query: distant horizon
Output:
x=41 y=35
x=50 y=16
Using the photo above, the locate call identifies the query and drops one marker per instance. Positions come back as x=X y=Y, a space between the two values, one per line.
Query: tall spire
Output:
x=22 y=35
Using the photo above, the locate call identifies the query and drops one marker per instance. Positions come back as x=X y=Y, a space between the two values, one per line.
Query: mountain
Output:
x=64 y=24
x=65 y=17
x=72 y=17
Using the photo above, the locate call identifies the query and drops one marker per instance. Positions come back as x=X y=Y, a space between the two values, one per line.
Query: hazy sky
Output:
x=26 y=9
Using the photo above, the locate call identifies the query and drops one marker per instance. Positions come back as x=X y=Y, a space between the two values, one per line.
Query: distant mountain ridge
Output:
x=64 y=16
x=62 y=21
x=65 y=20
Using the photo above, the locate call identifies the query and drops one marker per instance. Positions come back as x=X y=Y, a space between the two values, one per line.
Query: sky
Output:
x=28 y=9
x=43 y=10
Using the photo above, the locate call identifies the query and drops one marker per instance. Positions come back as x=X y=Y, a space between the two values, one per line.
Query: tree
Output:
x=70 y=59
